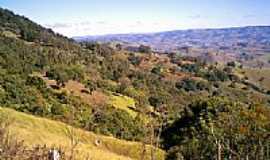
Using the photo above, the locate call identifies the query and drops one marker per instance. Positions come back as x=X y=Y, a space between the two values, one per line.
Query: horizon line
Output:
x=173 y=30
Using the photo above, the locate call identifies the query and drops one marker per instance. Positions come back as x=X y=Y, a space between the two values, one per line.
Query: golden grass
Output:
x=125 y=103
x=9 y=34
x=40 y=131
x=255 y=75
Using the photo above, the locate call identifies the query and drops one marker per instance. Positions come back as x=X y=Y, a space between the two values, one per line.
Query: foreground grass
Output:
x=40 y=131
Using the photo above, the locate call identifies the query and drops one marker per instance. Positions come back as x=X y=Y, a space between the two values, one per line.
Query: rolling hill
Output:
x=225 y=44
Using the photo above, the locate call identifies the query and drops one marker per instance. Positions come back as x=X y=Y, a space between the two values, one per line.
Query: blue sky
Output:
x=95 y=17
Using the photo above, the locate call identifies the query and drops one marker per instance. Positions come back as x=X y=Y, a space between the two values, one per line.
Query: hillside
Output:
x=259 y=76
x=16 y=26
x=39 y=131
x=182 y=104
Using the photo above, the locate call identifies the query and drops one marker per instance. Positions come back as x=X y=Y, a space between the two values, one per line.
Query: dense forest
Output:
x=189 y=108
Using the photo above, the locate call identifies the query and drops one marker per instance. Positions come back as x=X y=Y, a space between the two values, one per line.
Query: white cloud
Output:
x=197 y=16
x=104 y=27
x=101 y=27
x=58 y=25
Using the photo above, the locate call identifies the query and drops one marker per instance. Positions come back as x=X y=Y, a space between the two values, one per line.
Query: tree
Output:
x=118 y=123
x=119 y=47
x=91 y=85
x=36 y=81
x=59 y=75
x=193 y=68
x=217 y=75
x=218 y=128
x=157 y=70
x=187 y=84
x=29 y=35
x=135 y=60
x=155 y=101
x=231 y=64
x=145 y=49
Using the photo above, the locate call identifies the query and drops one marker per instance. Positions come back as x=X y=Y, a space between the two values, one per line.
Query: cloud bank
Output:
x=105 y=27
x=102 y=27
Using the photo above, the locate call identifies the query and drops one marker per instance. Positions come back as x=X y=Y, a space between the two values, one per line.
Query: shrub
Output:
x=145 y=49
x=157 y=70
x=207 y=125
x=91 y=85
x=155 y=101
x=135 y=60
x=63 y=73
x=118 y=123
x=187 y=85
x=36 y=81
x=192 y=68
x=217 y=75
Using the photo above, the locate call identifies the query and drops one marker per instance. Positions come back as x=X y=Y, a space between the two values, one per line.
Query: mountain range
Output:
x=242 y=43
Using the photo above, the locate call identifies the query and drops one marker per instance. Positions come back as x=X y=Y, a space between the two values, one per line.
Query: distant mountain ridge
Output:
x=199 y=38
x=225 y=44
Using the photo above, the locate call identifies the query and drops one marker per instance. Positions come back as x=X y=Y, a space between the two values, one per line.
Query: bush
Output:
x=117 y=123
x=187 y=85
x=135 y=60
x=155 y=101
x=201 y=85
x=192 y=68
x=217 y=75
x=63 y=74
x=59 y=75
x=157 y=70
x=106 y=85
x=36 y=81
x=91 y=85
x=144 y=49
x=208 y=124
x=29 y=35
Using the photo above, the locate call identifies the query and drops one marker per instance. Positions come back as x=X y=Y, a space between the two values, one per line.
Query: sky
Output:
x=99 y=17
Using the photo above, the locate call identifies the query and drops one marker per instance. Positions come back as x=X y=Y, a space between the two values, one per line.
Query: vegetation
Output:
x=219 y=129
x=138 y=96
x=38 y=131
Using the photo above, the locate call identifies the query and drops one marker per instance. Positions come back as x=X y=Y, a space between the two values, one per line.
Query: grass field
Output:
x=40 y=131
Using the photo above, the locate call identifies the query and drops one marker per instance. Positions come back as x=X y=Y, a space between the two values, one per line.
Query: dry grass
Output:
x=96 y=98
x=260 y=77
x=125 y=103
x=10 y=34
x=40 y=131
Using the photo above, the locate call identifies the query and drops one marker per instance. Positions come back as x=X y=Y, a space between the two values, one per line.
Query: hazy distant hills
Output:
x=257 y=36
x=243 y=43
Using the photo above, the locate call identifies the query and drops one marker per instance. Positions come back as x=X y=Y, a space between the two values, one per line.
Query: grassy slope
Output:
x=34 y=130
x=125 y=103
x=254 y=75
